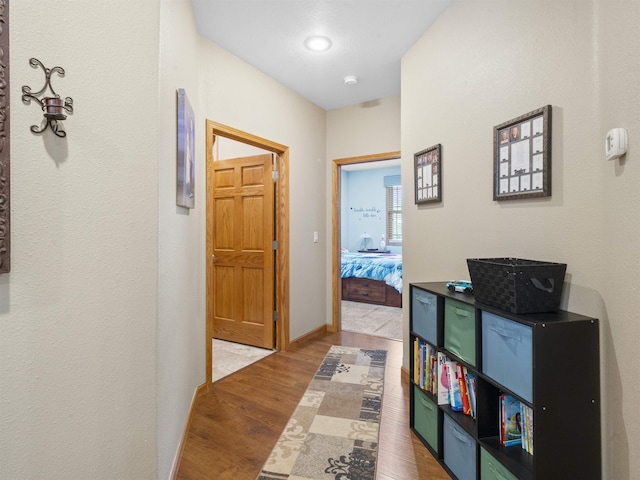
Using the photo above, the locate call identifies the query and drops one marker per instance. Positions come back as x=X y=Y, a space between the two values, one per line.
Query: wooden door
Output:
x=241 y=250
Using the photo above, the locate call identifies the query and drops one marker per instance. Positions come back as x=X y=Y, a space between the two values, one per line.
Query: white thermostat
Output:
x=616 y=143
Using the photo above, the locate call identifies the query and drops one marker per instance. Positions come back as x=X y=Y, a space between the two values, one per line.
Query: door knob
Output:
x=213 y=258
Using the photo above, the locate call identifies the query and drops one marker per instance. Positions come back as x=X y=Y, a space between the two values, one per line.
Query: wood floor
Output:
x=235 y=425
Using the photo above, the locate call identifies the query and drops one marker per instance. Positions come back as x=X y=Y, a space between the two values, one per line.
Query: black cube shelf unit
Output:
x=548 y=361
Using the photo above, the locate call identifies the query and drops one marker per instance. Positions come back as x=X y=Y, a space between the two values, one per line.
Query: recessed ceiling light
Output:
x=317 y=43
x=350 y=80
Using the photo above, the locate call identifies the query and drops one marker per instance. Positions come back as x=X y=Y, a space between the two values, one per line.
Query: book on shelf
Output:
x=471 y=380
x=421 y=364
x=502 y=416
x=523 y=417
x=455 y=399
x=433 y=372
x=462 y=382
x=430 y=367
x=530 y=431
x=526 y=414
x=456 y=386
x=516 y=423
x=449 y=381
x=510 y=421
x=425 y=365
x=443 y=381
x=416 y=360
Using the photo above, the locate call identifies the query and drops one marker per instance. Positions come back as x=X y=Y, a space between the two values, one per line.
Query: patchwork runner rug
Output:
x=333 y=433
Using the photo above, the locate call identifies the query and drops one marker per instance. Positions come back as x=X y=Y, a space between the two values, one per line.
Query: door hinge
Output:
x=275 y=175
x=275 y=316
x=274 y=245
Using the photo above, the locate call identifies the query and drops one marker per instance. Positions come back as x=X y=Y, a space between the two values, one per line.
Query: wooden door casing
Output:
x=336 y=241
x=281 y=297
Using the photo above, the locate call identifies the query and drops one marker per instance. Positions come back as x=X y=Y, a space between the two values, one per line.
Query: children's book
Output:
x=527 y=430
x=471 y=390
x=530 y=411
x=502 y=417
x=462 y=382
x=454 y=387
x=512 y=421
x=433 y=376
x=416 y=361
x=443 y=381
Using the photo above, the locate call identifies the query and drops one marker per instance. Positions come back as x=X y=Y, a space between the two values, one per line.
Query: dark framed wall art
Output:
x=522 y=156
x=428 y=175
x=5 y=176
x=185 y=194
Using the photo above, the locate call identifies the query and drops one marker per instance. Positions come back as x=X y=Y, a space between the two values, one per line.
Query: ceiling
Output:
x=369 y=37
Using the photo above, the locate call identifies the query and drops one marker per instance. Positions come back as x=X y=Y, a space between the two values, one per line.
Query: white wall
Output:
x=78 y=310
x=483 y=63
x=364 y=129
x=618 y=101
x=225 y=148
x=181 y=238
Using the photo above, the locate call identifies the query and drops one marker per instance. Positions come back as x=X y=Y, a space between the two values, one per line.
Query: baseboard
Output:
x=176 y=461
x=313 y=334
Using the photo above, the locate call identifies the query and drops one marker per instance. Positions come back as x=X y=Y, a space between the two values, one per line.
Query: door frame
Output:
x=213 y=130
x=336 y=201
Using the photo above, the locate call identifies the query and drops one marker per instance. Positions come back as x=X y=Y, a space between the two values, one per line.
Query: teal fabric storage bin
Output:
x=459 y=450
x=460 y=329
x=507 y=354
x=491 y=469
x=425 y=419
x=425 y=315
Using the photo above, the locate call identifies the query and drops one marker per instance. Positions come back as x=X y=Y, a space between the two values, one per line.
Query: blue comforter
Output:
x=387 y=268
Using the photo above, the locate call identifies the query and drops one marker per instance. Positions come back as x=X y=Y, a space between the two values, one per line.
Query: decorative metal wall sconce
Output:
x=53 y=106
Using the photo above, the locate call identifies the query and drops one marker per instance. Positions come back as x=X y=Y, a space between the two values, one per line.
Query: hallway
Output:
x=235 y=426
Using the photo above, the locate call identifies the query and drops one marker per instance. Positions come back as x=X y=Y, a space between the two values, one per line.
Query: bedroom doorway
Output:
x=337 y=217
x=278 y=303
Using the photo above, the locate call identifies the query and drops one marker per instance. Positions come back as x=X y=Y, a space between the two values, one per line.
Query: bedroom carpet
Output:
x=378 y=320
x=229 y=357
x=333 y=433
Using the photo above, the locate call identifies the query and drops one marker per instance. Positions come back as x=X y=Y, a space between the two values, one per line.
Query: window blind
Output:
x=394 y=214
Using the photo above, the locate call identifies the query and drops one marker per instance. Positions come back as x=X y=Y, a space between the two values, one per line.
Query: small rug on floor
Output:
x=333 y=433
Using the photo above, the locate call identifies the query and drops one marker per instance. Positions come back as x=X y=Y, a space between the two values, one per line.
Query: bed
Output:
x=372 y=278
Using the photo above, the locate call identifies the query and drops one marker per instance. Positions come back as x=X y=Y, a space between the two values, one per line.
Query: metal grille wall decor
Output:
x=5 y=250
x=53 y=106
